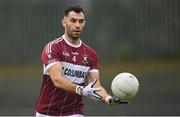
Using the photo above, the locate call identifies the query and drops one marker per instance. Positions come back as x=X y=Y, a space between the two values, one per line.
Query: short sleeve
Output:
x=50 y=56
x=94 y=63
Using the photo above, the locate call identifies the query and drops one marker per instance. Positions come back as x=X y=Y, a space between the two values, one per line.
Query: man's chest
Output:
x=76 y=56
x=75 y=65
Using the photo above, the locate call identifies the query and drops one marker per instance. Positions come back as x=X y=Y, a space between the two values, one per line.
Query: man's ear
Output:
x=85 y=23
x=63 y=23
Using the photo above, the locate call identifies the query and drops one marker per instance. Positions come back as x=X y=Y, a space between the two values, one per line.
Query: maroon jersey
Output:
x=76 y=62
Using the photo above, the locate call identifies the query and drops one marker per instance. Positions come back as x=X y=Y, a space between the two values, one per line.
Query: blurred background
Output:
x=137 y=36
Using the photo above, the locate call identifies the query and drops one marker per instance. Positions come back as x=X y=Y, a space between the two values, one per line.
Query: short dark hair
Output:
x=75 y=8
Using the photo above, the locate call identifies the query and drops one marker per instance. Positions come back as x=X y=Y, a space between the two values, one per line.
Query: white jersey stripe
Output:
x=48 y=48
x=56 y=40
x=62 y=107
x=42 y=93
x=51 y=100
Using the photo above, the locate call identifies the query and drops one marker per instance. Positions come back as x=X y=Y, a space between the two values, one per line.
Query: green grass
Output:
x=106 y=69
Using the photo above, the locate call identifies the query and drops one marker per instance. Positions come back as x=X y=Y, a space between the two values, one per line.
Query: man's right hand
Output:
x=89 y=91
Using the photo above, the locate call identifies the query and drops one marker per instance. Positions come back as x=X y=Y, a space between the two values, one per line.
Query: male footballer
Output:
x=70 y=72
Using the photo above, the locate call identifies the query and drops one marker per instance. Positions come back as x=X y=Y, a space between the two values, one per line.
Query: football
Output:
x=125 y=86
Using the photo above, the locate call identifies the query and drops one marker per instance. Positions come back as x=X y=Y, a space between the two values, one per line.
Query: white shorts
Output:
x=42 y=115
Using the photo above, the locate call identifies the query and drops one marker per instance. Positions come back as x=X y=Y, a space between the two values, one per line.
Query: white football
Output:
x=125 y=86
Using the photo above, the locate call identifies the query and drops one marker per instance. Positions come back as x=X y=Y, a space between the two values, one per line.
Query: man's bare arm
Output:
x=59 y=80
x=103 y=93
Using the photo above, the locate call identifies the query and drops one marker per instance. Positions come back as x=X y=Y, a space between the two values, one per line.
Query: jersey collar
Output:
x=70 y=44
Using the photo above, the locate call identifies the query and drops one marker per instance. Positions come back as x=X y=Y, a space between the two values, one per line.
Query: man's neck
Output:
x=74 y=42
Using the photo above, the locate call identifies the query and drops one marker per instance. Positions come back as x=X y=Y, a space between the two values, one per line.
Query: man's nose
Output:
x=77 y=24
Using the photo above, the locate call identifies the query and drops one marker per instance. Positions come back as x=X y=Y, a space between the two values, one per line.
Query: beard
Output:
x=73 y=36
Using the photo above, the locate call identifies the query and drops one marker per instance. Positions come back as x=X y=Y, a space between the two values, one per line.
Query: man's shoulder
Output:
x=53 y=45
x=89 y=48
x=55 y=41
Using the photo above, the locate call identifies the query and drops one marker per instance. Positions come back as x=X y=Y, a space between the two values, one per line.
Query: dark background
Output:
x=136 y=36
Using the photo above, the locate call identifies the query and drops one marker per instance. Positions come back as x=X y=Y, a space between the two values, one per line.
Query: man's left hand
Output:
x=114 y=100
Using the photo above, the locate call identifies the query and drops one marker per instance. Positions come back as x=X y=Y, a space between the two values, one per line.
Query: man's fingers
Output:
x=116 y=100
x=94 y=82
x=97 y=97
x=96 y=89
x=91 y=84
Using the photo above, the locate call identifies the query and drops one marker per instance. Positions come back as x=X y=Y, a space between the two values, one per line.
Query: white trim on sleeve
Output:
x=94 y=70
x=48 y=66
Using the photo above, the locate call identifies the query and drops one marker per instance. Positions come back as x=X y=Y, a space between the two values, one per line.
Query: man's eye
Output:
x=73 y=20
x=81 y=21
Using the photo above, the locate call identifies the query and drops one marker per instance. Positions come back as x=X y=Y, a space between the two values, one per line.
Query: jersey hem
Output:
x=39 y=114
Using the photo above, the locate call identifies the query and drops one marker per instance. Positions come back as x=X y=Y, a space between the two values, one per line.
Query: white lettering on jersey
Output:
x=75 y=53
x=65 y=53
x=75 y=73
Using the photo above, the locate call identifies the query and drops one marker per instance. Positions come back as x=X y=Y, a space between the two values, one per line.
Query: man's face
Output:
x=74 y=24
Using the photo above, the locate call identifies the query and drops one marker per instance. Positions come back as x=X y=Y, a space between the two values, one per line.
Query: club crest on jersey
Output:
x=85 y=59
x=74 y=58
x=65 y=53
